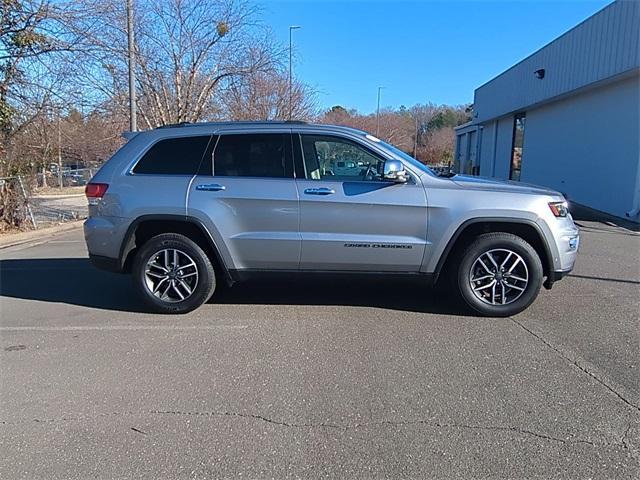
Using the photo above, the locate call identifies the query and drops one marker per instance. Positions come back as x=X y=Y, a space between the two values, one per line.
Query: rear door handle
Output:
x=319 y=191
x=211 y=187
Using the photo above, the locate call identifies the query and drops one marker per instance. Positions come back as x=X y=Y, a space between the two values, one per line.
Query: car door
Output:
x=351 y=219
x=246 y=196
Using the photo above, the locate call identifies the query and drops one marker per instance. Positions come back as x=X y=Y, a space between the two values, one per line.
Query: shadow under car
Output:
x=75 y=281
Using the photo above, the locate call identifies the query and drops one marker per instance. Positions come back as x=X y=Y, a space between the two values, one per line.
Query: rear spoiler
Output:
x=129 y=135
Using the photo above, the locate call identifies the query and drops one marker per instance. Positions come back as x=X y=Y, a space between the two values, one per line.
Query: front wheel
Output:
x=499 y=275
x=173 y=274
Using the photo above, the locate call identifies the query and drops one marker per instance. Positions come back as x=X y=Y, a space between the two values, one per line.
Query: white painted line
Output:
x=65 y=241
x=72 y=328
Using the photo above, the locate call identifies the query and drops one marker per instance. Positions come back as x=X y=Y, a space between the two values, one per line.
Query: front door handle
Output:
x=211 y=187
x=319 y=191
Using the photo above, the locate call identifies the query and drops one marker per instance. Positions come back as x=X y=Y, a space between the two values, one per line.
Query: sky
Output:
x=420 y=51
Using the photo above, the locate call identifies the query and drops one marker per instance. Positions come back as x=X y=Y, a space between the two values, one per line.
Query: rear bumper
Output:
x=104 y=235
x=105 y=263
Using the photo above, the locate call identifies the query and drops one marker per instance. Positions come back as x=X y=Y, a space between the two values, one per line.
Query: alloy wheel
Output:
x=499 y=276
x=171 y=275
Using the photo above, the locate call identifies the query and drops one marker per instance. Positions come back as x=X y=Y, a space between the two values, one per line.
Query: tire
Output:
x=190 y=270
x=515 y=283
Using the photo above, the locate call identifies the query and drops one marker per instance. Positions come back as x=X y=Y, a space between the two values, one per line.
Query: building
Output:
x=567 y=116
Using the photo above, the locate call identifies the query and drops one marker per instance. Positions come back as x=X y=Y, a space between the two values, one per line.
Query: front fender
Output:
x=450 y=233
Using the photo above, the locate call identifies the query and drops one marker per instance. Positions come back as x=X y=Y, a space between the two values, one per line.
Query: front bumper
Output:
x=568 y=244
x=555 y=276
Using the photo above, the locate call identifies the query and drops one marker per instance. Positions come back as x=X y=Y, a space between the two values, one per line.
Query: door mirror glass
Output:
x=394 y=171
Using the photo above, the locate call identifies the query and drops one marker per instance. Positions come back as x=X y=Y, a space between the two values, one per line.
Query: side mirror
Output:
x=394 y=170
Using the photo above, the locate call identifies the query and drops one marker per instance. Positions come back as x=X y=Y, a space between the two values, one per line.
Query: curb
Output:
x=60 y=196
x=14 y=239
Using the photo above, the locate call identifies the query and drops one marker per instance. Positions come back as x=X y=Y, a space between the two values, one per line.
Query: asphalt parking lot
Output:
x=312 y=379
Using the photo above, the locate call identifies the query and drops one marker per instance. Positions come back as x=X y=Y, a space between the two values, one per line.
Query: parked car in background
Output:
x=71 y=178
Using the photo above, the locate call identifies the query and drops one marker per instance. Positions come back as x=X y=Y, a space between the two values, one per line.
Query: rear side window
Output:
x=253 y=155
x=175 y=156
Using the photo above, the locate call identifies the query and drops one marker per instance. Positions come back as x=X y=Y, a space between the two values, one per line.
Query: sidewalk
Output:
x=36 y=236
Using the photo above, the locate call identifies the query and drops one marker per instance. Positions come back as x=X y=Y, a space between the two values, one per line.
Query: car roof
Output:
x=201 y=128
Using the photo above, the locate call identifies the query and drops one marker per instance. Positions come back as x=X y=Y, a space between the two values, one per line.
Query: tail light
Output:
x=95 y=192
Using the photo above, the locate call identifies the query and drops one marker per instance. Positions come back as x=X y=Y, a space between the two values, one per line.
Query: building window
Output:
x=518 y=142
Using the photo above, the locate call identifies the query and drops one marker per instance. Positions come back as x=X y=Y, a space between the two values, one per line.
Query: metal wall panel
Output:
x=603 y=46
x=587 y=146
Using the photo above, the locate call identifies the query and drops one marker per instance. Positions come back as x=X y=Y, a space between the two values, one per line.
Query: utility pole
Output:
x=291 y=29
x=415 y=140
x=59 y=150
x=133 y=124
x=378 y=113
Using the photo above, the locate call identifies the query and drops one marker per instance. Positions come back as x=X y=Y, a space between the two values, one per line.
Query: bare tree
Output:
x=395 y=127
x=35 y=49
x=187 y=51
x=433 y=139
x=439 y=146
x=265 y=96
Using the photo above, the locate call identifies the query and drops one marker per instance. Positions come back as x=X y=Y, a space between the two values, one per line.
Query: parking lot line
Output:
x=73 y=328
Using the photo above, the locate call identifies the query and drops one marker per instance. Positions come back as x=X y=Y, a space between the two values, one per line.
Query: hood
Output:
x=494 y=185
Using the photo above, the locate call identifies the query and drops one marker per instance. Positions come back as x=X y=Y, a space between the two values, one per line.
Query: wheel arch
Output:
x=145 y=227
x=528 y=230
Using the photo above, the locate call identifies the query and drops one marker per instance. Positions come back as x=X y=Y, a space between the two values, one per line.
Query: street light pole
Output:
x=133 y=125
x=378 y=113
x=291 y=28
x=415 y=139
x=59 y=150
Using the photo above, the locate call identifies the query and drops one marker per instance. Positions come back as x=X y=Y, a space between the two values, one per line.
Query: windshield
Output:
x=404 y=156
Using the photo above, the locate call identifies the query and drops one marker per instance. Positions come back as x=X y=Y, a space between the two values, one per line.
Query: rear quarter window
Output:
x=176 y=156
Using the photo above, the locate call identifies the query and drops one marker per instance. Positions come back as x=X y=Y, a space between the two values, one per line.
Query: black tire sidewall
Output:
x=206 y=276
x=496 y=241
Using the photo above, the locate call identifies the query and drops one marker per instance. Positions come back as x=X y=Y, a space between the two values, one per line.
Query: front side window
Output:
x=338 y=159
x=518 y=143
x=253 y=155
x=175 y=156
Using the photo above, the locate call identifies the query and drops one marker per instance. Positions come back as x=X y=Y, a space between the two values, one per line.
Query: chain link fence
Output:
x=64 y=178
x=41 y=200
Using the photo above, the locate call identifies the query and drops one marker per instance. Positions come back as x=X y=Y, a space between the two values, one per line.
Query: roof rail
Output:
x=173 y=125
x=240 y=122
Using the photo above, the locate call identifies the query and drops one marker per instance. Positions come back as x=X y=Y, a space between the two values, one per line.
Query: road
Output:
x=314 y=379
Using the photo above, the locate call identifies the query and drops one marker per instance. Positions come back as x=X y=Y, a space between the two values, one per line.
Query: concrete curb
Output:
x=13 y=239
x=60 y=196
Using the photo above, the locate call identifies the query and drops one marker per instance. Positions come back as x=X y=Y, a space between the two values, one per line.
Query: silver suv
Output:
x=187 y=207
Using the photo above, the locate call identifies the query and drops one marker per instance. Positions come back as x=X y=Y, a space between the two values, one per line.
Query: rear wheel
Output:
x=173 y=274
x=499 y=275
